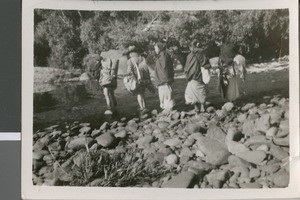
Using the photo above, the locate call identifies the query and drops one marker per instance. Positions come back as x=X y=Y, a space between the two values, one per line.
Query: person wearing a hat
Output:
x=108 y=82
x=195 y=92
x=164 y=76
x=138 y=67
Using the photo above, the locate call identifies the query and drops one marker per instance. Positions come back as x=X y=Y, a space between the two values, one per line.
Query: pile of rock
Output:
x=232 y=147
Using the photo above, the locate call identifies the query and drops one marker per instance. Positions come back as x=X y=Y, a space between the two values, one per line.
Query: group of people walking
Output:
x=196 y=69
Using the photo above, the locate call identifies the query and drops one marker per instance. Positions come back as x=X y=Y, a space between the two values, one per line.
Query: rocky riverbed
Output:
x=232 y=147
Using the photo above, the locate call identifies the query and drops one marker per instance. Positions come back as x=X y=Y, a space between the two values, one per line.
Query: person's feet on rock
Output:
x=108 y=112
x=166 y=112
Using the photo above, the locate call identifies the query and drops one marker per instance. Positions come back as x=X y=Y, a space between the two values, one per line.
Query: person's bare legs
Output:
x=107 y=95
x=141 y=101
x=202 y=107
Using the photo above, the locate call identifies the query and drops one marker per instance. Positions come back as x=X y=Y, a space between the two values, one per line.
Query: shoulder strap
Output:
x=137 y=69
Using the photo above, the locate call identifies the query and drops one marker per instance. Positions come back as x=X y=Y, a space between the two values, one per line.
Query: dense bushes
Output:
x=64 y=38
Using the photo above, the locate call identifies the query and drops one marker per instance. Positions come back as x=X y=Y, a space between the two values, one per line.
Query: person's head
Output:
x=132 y=51
x=194 y=45
x=159 y=46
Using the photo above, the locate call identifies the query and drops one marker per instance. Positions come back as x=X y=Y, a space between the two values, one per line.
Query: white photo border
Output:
x=29 y=191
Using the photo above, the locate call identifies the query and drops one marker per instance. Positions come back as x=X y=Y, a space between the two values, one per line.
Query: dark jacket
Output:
x=194 y=61
x=164 y=70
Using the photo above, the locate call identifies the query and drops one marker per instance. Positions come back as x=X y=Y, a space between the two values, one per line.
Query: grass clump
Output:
x=115 y=170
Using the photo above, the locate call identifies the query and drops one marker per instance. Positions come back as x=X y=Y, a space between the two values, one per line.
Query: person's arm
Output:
x=162 y=61
x=115 y=64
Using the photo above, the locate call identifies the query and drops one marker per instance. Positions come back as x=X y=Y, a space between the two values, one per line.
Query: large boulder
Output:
x=216 y=133
x=216 y=153
x=79 y=143
x=255 y=157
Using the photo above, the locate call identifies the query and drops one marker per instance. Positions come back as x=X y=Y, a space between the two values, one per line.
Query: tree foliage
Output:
x=64 y=38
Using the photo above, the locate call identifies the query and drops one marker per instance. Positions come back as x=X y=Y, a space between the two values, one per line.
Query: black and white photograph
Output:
x=125 y=96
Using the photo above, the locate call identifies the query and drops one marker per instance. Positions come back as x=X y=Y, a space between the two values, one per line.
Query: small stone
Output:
x=257 y=139
x=281 y=141
x=282 y=133
x=144 y=141
x=193 y=128
x=248 y=106
x=123 y=119
x=275 y=116
x=216 y=133
x=85 y=130
x=228 y=106
x=132 y=127
x=121 y=134
x=162 y=125
x=255 y=157
x=254 y=173
x=242 y=170
x=200 y=154
x=104 y=126
x=249 y=127
x=210 y=109
x=200 y=165
x=38 y=155
x=154 y=112
x=220 y=175
x=184 y=159
x=174 y=124
x=79 y=143
x=236 y=147
x=106 y=140
x=221 y=113
x=250 y=185
x=278 y=153
x=96 y=182
x=96 y=133
x=241 y=117
x=271 y=132
x=284 y=124
x=174 y=142
x=188 y=142
x=270 y=169
x=183 y=180
x=182 y=115
x=175 y=116
x=263 y=147
x=186 y=152
x=263 y=123
x=281 y=179
x=236 y=161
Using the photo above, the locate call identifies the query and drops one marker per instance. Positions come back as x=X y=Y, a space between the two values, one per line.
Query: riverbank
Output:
x=229 y=147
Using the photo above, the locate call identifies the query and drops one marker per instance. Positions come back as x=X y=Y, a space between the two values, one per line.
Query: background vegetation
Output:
x=64 y=38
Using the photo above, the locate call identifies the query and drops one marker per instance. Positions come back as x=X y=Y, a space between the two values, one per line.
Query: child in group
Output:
x=164 y=77
x=108 y=82
x=195 y=92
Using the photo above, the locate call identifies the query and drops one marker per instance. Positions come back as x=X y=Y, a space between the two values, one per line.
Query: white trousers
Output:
x=165 y=96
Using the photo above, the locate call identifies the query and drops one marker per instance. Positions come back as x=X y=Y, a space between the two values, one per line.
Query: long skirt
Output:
x=165 y=96
x=231 y=91
x=195 y=92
